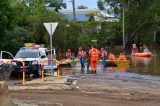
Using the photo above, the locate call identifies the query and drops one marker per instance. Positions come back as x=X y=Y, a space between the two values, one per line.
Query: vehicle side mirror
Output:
x=43 y=56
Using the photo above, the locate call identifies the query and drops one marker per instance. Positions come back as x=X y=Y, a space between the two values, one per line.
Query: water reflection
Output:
x=140 y=65
x=6 y=101
x=146 y=65
x=141 y=60
x=82 y=70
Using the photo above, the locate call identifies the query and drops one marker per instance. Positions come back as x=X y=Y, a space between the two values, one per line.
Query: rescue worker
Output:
x=104 y=56
x=93 y=53
x=81 y=55
x=68 y=54
x=122 y=57
x=111 y=56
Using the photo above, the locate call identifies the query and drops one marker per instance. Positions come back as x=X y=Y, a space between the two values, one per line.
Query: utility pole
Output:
x=74 y=13
x=155 y=32
x=123 y=30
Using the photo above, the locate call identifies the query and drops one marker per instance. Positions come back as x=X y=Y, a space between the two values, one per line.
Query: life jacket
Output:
x=111 y=57
x=81 y=54
x=94 y=54
x=122 y=57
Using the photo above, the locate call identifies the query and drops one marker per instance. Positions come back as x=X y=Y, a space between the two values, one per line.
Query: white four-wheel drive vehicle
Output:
x=33 y=59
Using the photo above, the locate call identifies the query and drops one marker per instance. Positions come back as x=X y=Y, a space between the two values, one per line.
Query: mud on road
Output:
x=85 y=98
x=94 y=91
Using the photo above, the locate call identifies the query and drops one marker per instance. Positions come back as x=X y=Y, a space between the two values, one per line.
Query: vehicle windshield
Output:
x=27 y=55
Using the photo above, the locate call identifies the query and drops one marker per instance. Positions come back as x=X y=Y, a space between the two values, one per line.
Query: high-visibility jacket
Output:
x=93 y=53
x=111 y=57
x=81 y=54
x=122 y=57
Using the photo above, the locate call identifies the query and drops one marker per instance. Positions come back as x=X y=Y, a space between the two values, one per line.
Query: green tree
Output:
x=6 y=17
x=41 y=15
x=21 y=13
x=89 y=30
x=58 y=4
x=82 y=7
x=139 y=17
x=16 y=38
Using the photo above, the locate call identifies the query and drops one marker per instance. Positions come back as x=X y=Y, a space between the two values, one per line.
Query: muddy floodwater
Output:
x=138 y=65
x=128 y=85
x=146 y=65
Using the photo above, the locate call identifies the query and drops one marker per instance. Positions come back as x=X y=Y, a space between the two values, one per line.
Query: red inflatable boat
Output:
x=147 y=54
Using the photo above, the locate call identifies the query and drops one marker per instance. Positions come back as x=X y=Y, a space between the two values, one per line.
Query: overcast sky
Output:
x=91 y=4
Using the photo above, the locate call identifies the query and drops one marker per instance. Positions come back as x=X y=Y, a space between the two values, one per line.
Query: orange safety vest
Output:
x=122 y=57
x=111 y=57
x=81 y=54
x=93 y=53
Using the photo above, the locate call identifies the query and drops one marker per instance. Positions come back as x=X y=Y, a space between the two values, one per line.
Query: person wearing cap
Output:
x=122 y=57
x=94 y=53
x=68 y=54
x=104 y=56
x=81 y=55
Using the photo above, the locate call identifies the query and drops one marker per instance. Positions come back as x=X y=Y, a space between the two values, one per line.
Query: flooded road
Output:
x=133 y=85
x=146 y=65
x=138 y=65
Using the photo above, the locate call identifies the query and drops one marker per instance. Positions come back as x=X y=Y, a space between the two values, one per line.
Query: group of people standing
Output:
x=91 y=55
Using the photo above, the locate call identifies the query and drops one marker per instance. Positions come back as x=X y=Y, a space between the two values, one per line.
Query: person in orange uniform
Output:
x=111 y=56
x=68 y=54
x=93 y=53
x=122 y=57
x=81 y=55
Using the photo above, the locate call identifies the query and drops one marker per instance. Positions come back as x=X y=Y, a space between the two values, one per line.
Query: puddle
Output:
x=6 y=101
x=34 y=103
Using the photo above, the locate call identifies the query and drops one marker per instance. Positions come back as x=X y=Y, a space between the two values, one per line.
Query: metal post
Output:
x=59 y=77
x=74 y=14
x=23 y=71
x=123 y=31
x=51 y=44
x=43 y=72
x=155 y=32
x=154 y=37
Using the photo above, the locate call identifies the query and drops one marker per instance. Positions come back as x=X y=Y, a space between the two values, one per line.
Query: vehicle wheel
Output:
x=37 y=72
x=40 y=71
x=28 y=75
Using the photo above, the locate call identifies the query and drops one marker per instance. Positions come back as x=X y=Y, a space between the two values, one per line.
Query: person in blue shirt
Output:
x=81 y=55
x=104 y=56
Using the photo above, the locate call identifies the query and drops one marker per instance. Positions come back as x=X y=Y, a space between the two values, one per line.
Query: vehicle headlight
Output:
x=34 y=62
x=14 y=63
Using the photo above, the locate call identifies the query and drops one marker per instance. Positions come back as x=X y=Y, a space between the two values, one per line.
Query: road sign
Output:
x=51 y=27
